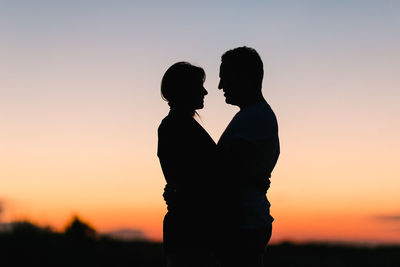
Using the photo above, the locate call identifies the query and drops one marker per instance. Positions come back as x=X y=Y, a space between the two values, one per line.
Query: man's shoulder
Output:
x=258 y=122
x=259 y=114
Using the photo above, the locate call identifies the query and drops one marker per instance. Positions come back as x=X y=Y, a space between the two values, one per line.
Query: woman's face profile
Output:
x=196 y=93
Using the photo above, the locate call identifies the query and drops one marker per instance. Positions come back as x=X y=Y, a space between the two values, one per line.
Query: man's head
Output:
x=241 y=73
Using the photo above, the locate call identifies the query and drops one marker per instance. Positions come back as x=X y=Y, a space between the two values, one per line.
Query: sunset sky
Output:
x=80 y=105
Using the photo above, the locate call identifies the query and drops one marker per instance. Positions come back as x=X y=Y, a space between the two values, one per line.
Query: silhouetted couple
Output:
x=218 y=212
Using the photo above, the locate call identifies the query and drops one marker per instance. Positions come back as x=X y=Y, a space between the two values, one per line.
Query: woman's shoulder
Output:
x=165 y=125
x=173 y=124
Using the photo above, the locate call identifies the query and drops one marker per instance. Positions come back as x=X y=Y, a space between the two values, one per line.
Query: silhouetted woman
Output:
x=187 y=155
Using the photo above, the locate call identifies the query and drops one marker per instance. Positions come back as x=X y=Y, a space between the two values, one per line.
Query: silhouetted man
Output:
x=249 y=150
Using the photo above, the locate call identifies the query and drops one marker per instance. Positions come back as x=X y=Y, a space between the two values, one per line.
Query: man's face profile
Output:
x=230 y=84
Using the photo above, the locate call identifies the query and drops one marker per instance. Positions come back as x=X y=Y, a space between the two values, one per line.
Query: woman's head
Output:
x=182 y=86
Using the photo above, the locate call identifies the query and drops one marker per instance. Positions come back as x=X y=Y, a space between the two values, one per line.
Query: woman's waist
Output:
x=189 y=205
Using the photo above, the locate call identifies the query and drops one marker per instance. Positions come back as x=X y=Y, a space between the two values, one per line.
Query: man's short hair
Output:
x=246 y=62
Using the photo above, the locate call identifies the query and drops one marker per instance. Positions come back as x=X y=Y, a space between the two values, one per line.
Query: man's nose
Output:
x=220 y=84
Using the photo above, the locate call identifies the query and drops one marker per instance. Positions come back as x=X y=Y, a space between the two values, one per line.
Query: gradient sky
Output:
x=80 y=105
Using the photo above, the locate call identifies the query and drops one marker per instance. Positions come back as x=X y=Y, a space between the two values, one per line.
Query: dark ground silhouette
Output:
x=80 y=245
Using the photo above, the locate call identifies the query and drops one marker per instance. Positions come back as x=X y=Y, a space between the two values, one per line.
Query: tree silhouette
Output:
x=80 y=230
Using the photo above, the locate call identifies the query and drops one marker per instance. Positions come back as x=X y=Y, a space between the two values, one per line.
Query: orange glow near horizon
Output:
x=296 y=226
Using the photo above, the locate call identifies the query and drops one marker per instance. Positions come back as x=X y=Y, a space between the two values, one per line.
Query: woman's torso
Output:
x=187 y=156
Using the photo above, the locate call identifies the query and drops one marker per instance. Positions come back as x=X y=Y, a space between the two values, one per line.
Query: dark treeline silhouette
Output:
x=79 y=245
